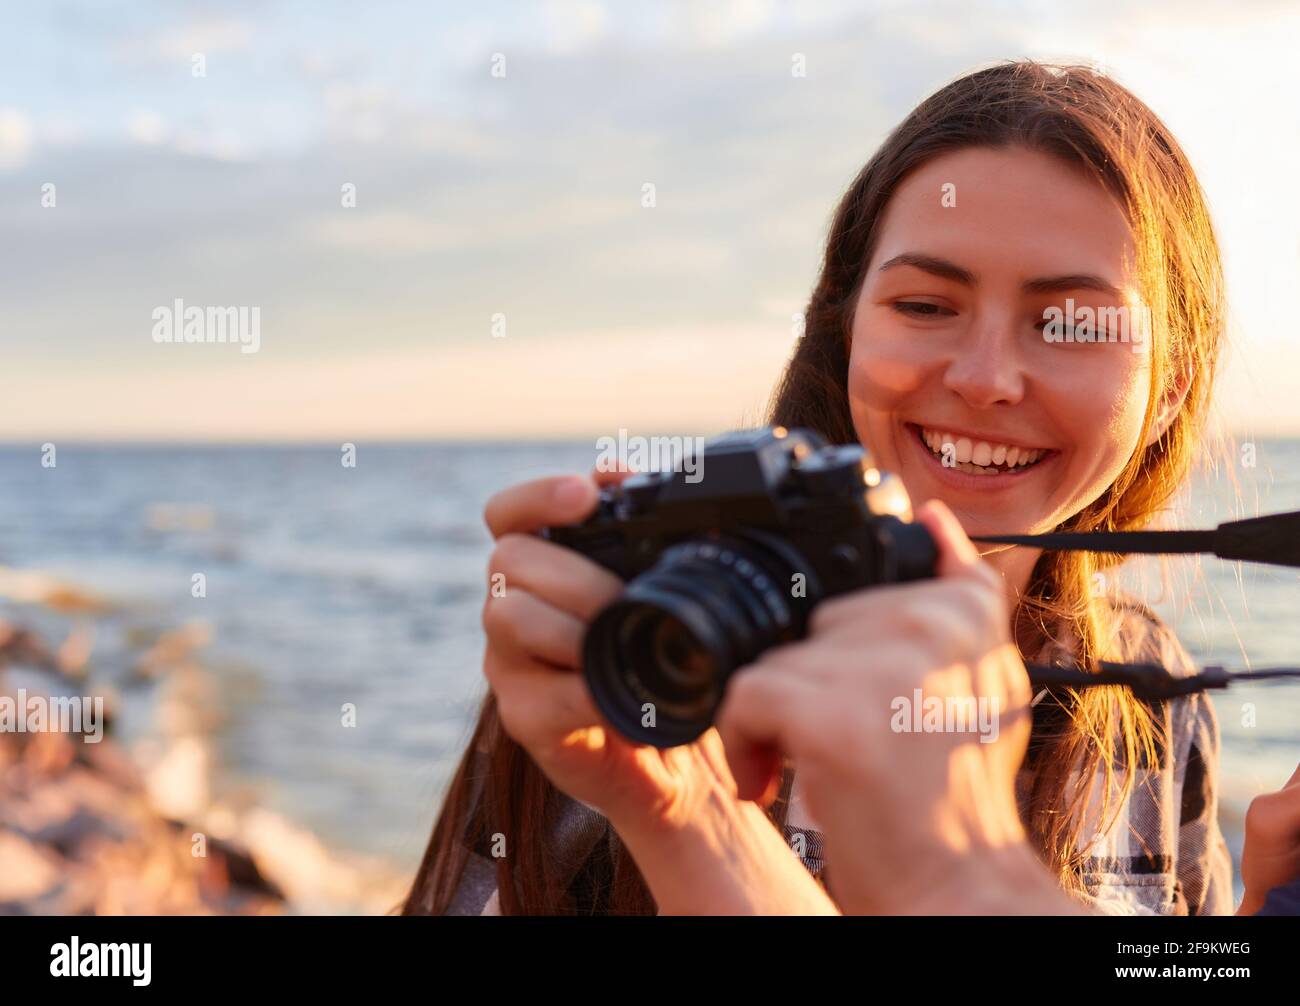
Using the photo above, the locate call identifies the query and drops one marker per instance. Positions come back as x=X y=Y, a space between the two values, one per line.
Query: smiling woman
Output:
x=926 y=331
x=974 y=366
x=999 y=197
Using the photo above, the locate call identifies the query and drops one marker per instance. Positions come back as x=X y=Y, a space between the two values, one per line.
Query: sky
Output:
x=498 y=275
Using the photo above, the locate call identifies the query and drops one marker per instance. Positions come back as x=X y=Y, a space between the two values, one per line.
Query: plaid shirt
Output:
x=1163 y=853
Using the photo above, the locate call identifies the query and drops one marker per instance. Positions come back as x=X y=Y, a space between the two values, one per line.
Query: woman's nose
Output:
x=987 y=369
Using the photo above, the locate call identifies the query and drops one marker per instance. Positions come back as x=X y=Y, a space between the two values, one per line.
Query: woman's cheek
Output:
x=1104 y=427
x=881 y=373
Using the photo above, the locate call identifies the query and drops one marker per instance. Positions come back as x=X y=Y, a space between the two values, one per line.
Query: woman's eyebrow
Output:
x=1070 y=281
x=940 y=267
x=945 y=269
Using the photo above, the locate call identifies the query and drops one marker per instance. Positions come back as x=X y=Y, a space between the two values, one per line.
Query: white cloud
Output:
x=572 y=24
x=217 y=35
x=387 y=233
x=58 y=131
x=216 y=145
x=15 y=139
x=720 y=24
x=146 y=127
x=688 y=256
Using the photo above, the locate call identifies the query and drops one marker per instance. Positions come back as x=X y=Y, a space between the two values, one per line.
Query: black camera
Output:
x=728 y=560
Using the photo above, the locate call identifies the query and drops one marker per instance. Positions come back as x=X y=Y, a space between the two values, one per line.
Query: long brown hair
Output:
x=1096 y=125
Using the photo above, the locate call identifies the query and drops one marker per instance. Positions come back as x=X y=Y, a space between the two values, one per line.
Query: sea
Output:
x=340 y=606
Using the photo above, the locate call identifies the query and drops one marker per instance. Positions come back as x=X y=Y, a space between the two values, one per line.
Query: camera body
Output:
x=721 y=568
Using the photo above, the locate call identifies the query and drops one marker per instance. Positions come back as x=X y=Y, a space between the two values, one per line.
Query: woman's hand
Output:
x=698 y=846
x=535 y=616
x=1271 y=855
x=910 y=819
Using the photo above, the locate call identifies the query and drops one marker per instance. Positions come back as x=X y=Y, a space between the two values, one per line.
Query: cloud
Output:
x=574 y=385
x=223 y=144
x=15 y=139
x=521 y=195
x=146 y=127
x=720 y=24
x=570 y=25
x=387 y=232
x=208 y=36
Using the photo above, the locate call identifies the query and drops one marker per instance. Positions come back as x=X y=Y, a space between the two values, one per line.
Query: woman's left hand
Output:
x=901 y=811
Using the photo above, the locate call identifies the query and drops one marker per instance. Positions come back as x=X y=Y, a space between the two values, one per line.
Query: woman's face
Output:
x=952 y=383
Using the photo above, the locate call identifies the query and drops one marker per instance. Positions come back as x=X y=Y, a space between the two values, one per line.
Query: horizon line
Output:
x=10 y=443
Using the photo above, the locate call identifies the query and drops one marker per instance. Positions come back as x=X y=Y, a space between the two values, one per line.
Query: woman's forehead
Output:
x=1007 y=209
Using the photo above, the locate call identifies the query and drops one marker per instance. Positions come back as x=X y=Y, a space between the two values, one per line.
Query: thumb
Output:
x=957 y=553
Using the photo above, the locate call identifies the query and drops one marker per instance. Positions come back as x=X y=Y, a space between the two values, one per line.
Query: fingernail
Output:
x=571 y=492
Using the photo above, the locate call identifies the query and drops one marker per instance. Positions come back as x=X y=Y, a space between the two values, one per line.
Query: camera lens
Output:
x=676 y=657
x=657 y=660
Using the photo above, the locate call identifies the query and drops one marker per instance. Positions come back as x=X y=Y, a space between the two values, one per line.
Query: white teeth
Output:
x=978 y=457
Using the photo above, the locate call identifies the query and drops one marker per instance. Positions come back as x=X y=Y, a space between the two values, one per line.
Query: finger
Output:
x=757 y=723
x=919 y=610
x=1294 y=780
x=765 y=766
x=611 y=478
x=528 y=506
x=957 y=552
x=861 y=609
x=559 y=576
x=539 y=704
x=523 y=625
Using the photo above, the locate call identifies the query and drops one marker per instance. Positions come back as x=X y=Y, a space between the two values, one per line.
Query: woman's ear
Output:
x=1170 y=404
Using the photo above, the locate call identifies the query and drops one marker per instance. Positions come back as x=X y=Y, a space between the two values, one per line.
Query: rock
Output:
x=69 y=835
x=177 y=783
x=171 y=649
x=19 y=646
x=26 y=870
x=33 y=587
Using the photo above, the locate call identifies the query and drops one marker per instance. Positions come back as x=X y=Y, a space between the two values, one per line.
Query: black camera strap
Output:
x=1151 y=681
x=1274 y=539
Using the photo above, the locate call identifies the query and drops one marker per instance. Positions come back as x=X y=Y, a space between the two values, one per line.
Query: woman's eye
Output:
x=1062 y=333
x=922 y=309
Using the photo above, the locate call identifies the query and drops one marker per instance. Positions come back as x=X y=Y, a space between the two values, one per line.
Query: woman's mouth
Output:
x=974 y=456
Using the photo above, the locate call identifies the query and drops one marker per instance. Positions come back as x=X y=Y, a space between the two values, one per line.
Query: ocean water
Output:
x=328 y=585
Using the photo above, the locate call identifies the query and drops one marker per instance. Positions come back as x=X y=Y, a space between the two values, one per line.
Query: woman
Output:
x=1013 y=193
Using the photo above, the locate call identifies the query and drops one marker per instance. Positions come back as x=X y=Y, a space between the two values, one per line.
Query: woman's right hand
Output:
x=698 y=846
x=535 y=616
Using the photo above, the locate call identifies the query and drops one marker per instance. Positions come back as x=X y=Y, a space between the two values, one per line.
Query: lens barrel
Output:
x=657 y=660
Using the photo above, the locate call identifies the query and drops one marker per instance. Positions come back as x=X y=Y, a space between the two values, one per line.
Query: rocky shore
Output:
x=112 y=827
